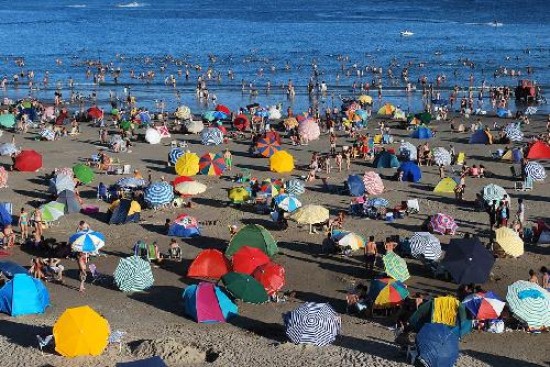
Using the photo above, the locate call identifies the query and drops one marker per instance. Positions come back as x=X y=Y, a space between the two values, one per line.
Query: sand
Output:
x=154 y=320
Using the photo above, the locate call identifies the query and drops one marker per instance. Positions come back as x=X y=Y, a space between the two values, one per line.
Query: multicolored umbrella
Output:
x=211 y=136
x=443 y=224
x=396 y=267
x=425 y=244
x=238 y=194
x=268 y=146
x=83 y=173
x=442 y=156
x=510 y=242
x=133 y=274
x=245 y=287
x=312 y=323
x=387 y=292
x=87 y=241
x=52 y=211
x=348 y=239
x=295 y=187
x=310 y=214
x=484 y=305
x=223 y=109
x=530 y=303
x=271 y=276
x=174 y=155
x=288 y=203
x=158 y=193
x=190 y=188
x=535 y=170
x=212 y=164
x=269 y=188
x=493 y=192
x=373 y=183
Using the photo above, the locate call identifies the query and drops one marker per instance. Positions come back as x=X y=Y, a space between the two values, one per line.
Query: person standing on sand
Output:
x=520 y=214
x=338 y=160
x=24 y=224
x=370 y=255
x=82 y=274
x=228 y=158
x=37 y=220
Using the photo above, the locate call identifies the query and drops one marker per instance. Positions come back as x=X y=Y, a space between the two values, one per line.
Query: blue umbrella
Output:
x=87 y=241
x=209 y=115
x=219 y=115
x=158 y=193
x=437 y=345
x=355 y=185
x=212 y=136
x=131 y=182
x=295 y=187
x=174 y=154
x=9 y=269
x=287 y=202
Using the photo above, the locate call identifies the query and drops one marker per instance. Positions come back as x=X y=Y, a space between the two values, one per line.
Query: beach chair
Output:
x=97 y=277
x=44 y=342
x=116 y=338
x=524 y=185
x=413 y=207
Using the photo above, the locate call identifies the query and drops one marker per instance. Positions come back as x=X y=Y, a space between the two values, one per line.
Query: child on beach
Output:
x=24 y=224
x=228 y=158
x=338 y=160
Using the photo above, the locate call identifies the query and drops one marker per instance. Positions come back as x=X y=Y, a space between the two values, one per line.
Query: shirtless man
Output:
x=82 y=271
x=370 y=255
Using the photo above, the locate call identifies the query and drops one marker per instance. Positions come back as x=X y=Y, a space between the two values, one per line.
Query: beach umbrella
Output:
x=535 y=170
x=365 y=99
x=205 y=302
x=245 y=287
x=9 y=269
x=268 y=146
x=187 y=164
x=281 y=162
x=131 y=182
x=288 y=203
x=209 y=263
x=70 y=200
x=309 y=129
x=530 y=303
x=8 y=149
x=7 y=120
x=83 y=173
x=174 y=155
x=64 y=182
x=126 y=125
x=395 y=266
x=211 y=136
x=468 y=261
x=87 y=241
x=247 y=259
x=183 y=113
x=163 y=131
x=241 y=122
x=376 y=203
x=274 y=113
x=484 y=305
x=28 y=161
x=387 y=292
x=355 y=185
x=493 y=192
x=133 y=274
x=373 y=183
x=3 y=177
x=310 y=214
x=47 y=134
x=194 y=127
x=295 y=187
x=443 y=224
x=223 y=109
x=269 y=188
x=190 y=188
x=513 y=133
x=409 y=150
x=425 y=244
x=253 y=235
x=81 y=331
x=424 y=117
x=290 y=123
x=158 y=193
x=212 y=164
x=184 y=226
x=152 y=136
x=23 y=295
x=95 y=113
x=386 y=110
x=442 y=156
x=510 y=242
x=181 y=179
x=312 y=323
x=52 y=211
x=238 y=194
x=271 y=276
x=437 y=345
x=348 y=239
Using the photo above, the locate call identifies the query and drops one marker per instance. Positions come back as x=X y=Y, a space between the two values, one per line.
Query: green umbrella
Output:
x=133 y=274
x=114 y=111
x=52 y=211
x=125 y=125
x=7 y=120
x=84 y=173
x=396 y=267
x=253 y=235
x=244 y=287
x=26 y=104
x=425 y=117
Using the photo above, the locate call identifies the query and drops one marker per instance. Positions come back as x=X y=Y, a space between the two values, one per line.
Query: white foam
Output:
x=77 y=6
x=133 y=4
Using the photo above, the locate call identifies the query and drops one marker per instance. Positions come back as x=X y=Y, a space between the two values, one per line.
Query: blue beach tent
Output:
x=479 y=137
x=386 y=160
x=422 y=133
x=24 y=295
x=411 y=172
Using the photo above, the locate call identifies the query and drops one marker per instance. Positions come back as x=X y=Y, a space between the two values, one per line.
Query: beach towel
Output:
x=445 y=310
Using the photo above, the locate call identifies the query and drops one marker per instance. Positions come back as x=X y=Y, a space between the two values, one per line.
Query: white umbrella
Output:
x=152 y=136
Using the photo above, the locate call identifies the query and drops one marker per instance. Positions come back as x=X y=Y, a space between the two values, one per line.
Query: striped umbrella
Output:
x=87 y=241
x=376 y=203
x=510 y=242
x=493 y=192
x=133 y=274
x=442 y=156
x=131 y=182
x=63 y=182
x=190 y=188
x=158 y=193
x=348 y=239
x=513 y=132
x=211 y=136
x=268 y=146
x=295 y=187
x=312 y=323
x=530 y=303
x=288 y=203
x=8 y=149
x=387 y=292
x=396 y=267
x=212 y=164
x=443 y=224
x=409 y=150
x=535 y=170
x=52 y=211
x=47 y=134
x=270 y=188
x=425 y=244
x=484 y=305
x=174 y=154
x=373 y=183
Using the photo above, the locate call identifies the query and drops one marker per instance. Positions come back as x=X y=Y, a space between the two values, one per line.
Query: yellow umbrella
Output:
x=509 y=241
x=386 y=110
x=281 y=162
x=190 y=188
x=80 y=331
x=187 y=164
x=238 y=194
x=365 y=99
x=290 y=123
x=310 y=214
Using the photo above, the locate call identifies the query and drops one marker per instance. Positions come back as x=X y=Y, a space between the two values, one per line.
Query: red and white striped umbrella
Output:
x=373 y=183
x=443 y=224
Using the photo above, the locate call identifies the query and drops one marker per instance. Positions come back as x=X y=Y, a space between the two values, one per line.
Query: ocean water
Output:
x=250 y=35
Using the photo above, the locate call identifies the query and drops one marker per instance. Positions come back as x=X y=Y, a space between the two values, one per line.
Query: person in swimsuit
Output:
x=228 y=159
x=37 y=220
x=24 y=224
x=370 y=255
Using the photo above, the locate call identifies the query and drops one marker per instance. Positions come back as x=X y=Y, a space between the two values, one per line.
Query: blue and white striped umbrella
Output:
x=131 y=182
x=425 y=244
x=295 y=187
x=288 y=203
x=133 y=274
x=47 y=134
x=530 y=303
x=513 y=132
x=8 y=149
x=442 y=156
x=87 y=241
x=312 y=323
x=212 y=136
x=63 y=182
x=535 y=170
x=376 y=203
x=174 y=154
x=158 y=193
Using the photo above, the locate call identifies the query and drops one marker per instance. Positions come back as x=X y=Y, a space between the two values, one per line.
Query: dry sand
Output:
x=154 y=320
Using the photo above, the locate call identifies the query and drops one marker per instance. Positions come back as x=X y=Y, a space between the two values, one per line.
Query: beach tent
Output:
x=124 y=211
x=187 y=164
x=80 y=331
x=245 y=288
x=446 y=310
x=8 y=269
x=411 y=171
x=312 y=323
x=355 y=185
x=479 y=136
x=468 y=261
x=281 y=162
x=539 y=150
x=28 y=161
x=386 y=110
x=207 y=303
x=437 y=345
x=5 y=216
x=544 y=238
x=69 y=199
x=247 y=259
x=445 y=186
x=386 y=160
x=422 y=132
x=184 y=226
x=24 y=295
x=155 y=361
x=513 y=155
x=253 y=235
x=209 y=263
x=271 y=276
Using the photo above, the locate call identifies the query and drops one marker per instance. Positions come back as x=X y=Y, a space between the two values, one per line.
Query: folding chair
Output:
x=413 y=207
x=43 y=342
x=116 y=337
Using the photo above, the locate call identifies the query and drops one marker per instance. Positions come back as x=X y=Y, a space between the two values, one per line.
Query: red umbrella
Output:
x=209 y=263
x=271 y=276
x=95 y=113
x=181 y=179
x=247 y=259
x=241 y=122
x=28 y=161
x=224 y=109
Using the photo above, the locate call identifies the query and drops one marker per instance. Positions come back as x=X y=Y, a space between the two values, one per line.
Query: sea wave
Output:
x=77 y=6
x=133 y=4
